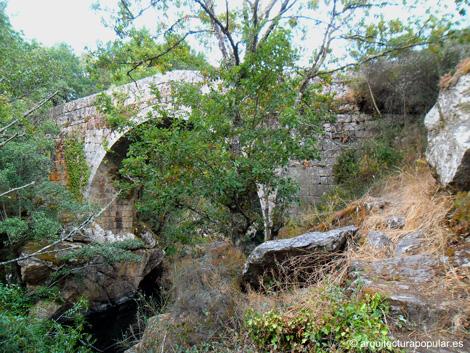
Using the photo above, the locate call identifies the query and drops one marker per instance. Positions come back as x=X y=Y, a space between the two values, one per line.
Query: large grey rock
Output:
x=409 y=284
x=448 y=125
x=102 y=283
x=267 y=255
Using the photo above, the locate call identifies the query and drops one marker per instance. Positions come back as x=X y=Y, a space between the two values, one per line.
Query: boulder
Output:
x=448 y=125
x=108 y=284
x=409 y=244
x=269 y=254
x=104 y=284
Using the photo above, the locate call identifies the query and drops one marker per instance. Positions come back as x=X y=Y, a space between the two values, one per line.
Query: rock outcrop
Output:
x=102 y=282
x=448 y=125
x=269 y=254
x=411 y=285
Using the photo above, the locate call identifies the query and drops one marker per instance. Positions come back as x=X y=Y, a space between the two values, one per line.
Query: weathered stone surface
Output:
x=377 y=239
x=415 y=268
x=460 y=255
x=111 y=284
x=80 y=118
x=395 y=222
x=409 y=244
x=103 y=284
x=407 y=282
x=448 y=125
x=268 y=254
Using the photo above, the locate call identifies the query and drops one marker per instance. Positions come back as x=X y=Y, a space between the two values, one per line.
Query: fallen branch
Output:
x=69 y=235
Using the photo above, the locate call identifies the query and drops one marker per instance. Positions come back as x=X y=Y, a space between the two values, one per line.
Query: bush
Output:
x=22 y=332
x=202 y=289
x=407 y=84
x=356 y=168
x=459 y=218
x=343 y=327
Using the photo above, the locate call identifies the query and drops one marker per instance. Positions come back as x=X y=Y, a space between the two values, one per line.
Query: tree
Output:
x=33 y=208
x=120 y=62
x=263 y=107
x=74 y=81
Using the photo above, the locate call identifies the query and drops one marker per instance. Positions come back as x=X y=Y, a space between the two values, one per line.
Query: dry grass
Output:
x=209 y=305
x=450 y=80
x=416 y=196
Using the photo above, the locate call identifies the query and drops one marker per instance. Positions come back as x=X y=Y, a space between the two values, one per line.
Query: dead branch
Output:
x=40 y=104
x=67 y=236
x=18 y=188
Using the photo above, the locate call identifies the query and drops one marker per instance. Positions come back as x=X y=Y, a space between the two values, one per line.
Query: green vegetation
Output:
x=261 y=110
x=408 y=84
x=207 y=164
x=460 y=216
x=77 y=167
x=213 y=165
x=346 y=326
x=119 y=62
x=22 y=332
x=371 y=159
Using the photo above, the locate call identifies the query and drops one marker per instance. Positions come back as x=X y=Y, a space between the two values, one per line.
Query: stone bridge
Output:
x=105 y=147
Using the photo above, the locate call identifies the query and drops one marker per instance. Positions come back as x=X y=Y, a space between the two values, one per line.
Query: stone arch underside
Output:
x=120 y=214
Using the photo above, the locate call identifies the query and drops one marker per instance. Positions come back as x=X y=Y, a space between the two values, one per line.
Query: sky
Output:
x=55 y=21
x=71 y=21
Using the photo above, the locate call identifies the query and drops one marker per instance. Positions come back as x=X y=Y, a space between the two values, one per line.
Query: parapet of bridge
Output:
x=105 y=147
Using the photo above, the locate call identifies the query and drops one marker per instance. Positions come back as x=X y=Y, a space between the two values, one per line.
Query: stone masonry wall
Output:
x=351 y=126
x=316 y=178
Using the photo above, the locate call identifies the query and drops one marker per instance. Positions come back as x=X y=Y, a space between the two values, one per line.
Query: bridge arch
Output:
x=104 y=146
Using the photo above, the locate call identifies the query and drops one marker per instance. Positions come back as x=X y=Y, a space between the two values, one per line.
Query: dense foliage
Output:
x=408 y=84
x=213 y=165
x=347 y=326
x=36 y=213
x=22 y=332
x=33 y=208
x=119 y=62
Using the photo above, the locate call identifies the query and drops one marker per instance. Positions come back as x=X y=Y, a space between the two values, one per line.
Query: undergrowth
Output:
x=372 y=160
x=334 y=324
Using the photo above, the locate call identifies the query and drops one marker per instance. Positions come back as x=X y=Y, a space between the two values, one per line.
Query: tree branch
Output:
x=40 y=104
x=10 y=138
x=321 y=55
x=9 y=125
x=152 y=58
x=18 y=188
x=369 y=58
x=67 y=236
x=218 y=26
x=284 y=8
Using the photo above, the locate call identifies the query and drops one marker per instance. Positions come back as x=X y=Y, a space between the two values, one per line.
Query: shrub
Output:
x=459 y=218
x=22 y=332
x=408 y=84
x=357 y=167
x=344 y=326
x=202 y=290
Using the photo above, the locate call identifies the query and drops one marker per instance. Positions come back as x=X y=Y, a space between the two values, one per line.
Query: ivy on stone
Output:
x=77 y=167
